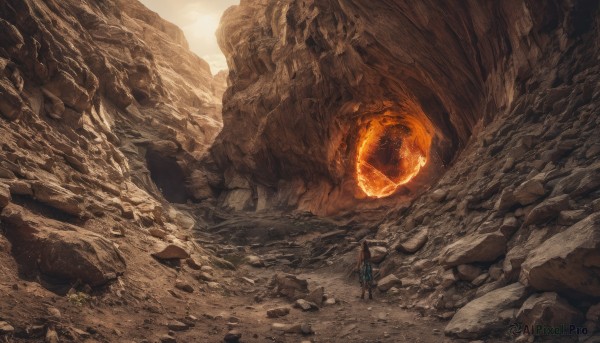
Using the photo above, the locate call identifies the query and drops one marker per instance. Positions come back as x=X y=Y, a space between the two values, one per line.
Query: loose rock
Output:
x=60 y=249
x=549 y=310
x=6 y=328
x=378 y=254
x=474 y=248
x=548 y=209
x=278 y=312
x=232 y=336
x=388 y=282
x=177 y=326
x=186 y=287
x=290 y=286
x=5 y=196
x=254 y=261
x=171 y=252
x=489 y=313
x=305 y=305
x=529 y=192
x=567 y=260
x=415 y=243
x=316 y=296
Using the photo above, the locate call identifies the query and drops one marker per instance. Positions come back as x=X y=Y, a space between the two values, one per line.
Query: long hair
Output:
x=366 y=251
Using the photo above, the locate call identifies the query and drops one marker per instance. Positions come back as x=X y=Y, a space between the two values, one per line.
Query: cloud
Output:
x=199 y=20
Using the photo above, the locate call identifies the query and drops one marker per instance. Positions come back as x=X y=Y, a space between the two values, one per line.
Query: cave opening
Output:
x=393 y=147
x=168 y=176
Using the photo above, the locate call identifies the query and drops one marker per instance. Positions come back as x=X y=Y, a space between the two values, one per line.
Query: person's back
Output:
x=365 y=271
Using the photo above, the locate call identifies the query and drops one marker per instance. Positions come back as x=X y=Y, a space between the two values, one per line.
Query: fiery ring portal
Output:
x=391 y=152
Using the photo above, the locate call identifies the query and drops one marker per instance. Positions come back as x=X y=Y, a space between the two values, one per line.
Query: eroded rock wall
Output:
x=306 y=78
x=104 y=112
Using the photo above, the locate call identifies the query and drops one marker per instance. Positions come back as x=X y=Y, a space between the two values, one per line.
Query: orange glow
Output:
x=392 y=150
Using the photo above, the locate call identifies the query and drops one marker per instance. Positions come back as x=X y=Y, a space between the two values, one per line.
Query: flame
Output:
x=392 y=150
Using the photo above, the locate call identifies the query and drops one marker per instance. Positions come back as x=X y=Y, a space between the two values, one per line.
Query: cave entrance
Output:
x=392 y=150
x=168 y=176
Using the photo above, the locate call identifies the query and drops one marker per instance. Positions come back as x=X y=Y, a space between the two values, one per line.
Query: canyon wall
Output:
x=104 y=113
x=309 y=78
x=507 y=93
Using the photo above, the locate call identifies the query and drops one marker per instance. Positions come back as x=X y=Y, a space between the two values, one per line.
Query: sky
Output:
x=199 y=20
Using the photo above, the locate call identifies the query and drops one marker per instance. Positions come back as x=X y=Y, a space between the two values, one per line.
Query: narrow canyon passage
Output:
x=147 y=196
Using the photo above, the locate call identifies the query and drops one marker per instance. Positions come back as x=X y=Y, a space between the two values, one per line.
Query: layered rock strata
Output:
x=508 y=92
x=104 y=112
x=309 y=78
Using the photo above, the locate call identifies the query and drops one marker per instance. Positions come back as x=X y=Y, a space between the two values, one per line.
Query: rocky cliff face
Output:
x=462 y=136
x=311 y=80
x=104 y=113
x=492 y=107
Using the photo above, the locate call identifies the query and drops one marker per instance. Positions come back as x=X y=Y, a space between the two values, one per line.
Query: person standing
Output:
x=365 y=270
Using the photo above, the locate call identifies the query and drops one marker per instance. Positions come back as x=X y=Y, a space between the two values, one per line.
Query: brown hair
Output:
x=366 y=251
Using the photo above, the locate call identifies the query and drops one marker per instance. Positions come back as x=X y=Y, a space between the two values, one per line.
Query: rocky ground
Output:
x=121 y=221
x=252 y=291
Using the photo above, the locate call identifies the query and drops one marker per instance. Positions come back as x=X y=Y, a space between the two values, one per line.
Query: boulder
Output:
x=157 y=233
x=570 y=217
x=506 y=201
x=232 y=336
x=290 y=286
x=593 y=314
x=278 y=312
x=254 y=261
x=439 y=195
x=474 y=248
x=378 y=254
x=204 y=276
x=6 y=328
x=468 y=272
x=171 y=252
x=19 y=187
x=388 y=282
x=511 y=266
x=567 y=261
x=305 y=305
x=581 y=181
x=176 y=325
x=61 y=250
x=548 y=309
x=58 y=198
x=316 y=296
x=238 y=199
x=547 y=210
x=510 y=224
x=5 y=196
x=207 y=269
x=414 y=243
x=490 y=313
x=184 y=286
x=529 y=192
